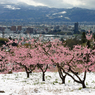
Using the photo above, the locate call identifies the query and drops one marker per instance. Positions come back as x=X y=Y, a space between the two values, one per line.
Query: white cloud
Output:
x=74 y=2
x=8 y=1
x=56 y=3
x=32 y=2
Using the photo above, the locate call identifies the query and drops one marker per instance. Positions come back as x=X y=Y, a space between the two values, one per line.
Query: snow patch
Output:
x=47 y=15
x=11 y=7
x=67 y=18
x=60 y=16
x=18 y=84
x=54 y=13
x=63 y=12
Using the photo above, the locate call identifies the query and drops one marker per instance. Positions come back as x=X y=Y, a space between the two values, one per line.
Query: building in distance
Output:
x=76 y=31
x=19 y=28
x=29 y=30
x=13 y=28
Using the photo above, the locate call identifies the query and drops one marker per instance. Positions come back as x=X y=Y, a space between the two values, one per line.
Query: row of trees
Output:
x=43 y=55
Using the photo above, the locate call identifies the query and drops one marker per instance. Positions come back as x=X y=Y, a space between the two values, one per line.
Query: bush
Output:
x=2 y=41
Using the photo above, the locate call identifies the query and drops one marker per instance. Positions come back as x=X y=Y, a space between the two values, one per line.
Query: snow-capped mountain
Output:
x=26 y=12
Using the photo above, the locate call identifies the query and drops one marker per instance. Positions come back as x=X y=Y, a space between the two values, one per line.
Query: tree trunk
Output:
x=43 y=76
x=83 y=84
x=61 y=75
x=27 y=74
x=63 y=79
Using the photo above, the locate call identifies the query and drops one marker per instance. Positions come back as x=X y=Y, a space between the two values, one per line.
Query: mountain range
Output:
x=24 y=12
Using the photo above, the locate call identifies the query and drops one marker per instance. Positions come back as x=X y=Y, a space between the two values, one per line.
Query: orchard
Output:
x=43 y=56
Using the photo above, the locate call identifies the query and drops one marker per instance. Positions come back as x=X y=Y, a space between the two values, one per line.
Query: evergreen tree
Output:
x=83 y=37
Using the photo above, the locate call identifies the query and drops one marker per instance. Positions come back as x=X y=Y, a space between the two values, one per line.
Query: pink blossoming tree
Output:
x=4 y=68
x=42 y=54
x=57 y=55
x=21 y=57
x=78 y=60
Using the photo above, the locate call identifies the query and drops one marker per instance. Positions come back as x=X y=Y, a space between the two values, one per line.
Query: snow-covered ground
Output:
x=18 y=84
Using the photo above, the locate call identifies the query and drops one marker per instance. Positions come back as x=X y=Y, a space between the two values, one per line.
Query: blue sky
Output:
x=90 y=4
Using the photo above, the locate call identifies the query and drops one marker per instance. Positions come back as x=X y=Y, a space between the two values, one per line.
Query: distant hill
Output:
x=24 y=12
